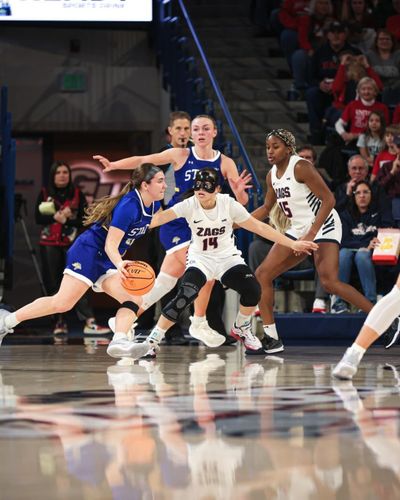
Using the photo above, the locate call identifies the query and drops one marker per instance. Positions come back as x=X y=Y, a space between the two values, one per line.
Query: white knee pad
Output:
x=164 y=283
x=384 y=312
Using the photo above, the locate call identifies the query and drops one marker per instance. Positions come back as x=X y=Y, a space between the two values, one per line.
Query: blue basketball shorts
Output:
x=175 y=235
x=88 y=264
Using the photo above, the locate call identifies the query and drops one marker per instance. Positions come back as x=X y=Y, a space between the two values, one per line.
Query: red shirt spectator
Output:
x=311 y=28
x=347 y=75
x=355 y=115
x=382 y=158
x=389 y=153
x=290 y=12
x=393 y=25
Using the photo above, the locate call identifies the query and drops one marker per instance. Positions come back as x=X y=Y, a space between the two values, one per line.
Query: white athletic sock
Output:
x=271 y=331
x=119 y=336
x=242 y=319
x=195 y=320
x=10 y=321
x=357 y=349
x=156 y=335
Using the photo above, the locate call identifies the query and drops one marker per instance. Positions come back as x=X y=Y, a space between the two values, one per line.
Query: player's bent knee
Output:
x=192 y=281
x=62 y=305
x=263 y=275
x=242 y=280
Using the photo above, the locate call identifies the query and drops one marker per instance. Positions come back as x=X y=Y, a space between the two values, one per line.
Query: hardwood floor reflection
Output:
x=196 y=423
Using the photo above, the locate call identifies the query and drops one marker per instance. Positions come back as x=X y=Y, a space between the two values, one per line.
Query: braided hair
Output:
x=285 y=136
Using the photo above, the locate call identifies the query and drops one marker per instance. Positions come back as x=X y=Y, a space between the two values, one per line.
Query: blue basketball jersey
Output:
x=87 y=259
x=130 y=215
x=176 y=234
x=184 y=177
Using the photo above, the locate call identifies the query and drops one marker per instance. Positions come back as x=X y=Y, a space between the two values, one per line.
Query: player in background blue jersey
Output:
x=96 y=257
x=176 y=236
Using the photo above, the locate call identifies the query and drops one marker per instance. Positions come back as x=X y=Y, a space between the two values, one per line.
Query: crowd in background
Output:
x=344 y=59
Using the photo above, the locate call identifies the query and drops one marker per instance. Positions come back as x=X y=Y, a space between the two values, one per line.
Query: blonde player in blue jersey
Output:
x=213 y=255
x=302 y=195
x=176 y=235
x=96 y=257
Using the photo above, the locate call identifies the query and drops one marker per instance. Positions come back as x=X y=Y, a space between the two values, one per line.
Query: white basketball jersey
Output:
x=212 y=232
x=301 y=205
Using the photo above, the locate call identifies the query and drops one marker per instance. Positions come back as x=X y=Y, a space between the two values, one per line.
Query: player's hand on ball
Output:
x=122 y=268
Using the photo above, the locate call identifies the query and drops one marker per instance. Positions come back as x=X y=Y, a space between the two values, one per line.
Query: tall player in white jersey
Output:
x=302 y=195
x=213 y=255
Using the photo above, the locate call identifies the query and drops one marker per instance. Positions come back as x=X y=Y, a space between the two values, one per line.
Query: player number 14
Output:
x=210 y=242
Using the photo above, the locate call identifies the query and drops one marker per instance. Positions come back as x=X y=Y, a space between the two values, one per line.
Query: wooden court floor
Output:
x=197 y=424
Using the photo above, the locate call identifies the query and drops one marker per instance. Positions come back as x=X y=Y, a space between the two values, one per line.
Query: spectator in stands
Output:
x=371 y=142
x=354 y=119
x=385 y=60
x=60 y=209
x=344 y=87
x=389 y=178
x=324 y=64
x=396 y=115
x=289 y=15
x=360 y=222
x=311 y=35
x=389 y=153
x=357 y=169
x=393 y=22
x=358 y=17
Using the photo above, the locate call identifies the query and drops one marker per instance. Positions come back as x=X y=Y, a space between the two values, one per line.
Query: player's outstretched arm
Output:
x=266 y=231
x=167 y=156
x=162 y=217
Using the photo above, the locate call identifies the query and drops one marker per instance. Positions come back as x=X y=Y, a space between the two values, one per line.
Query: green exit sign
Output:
x=73 y=81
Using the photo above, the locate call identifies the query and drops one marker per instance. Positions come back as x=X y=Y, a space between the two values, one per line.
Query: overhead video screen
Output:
x=76 y=10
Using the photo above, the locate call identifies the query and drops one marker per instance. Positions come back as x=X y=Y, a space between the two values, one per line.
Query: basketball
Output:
x=141 y=278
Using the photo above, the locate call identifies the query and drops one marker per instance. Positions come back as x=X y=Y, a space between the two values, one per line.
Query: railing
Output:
x=7 y=182
x=187 y=88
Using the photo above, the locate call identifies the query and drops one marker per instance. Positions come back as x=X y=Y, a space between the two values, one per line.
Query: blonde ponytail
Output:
x=100 y=210
x=278 y=219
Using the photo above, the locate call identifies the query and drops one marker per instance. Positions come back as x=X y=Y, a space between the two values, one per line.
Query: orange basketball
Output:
x=141 y=278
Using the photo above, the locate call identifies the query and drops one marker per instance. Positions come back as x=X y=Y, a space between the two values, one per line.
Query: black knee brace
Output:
x=192 y=281
x=242 y=280
x=128 y=304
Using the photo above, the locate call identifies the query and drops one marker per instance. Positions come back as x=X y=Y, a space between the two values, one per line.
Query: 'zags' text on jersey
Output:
x=282 y=192
x=207 y=231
